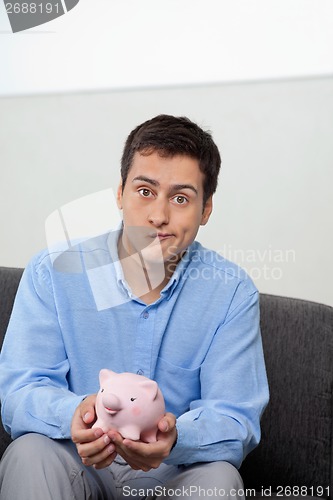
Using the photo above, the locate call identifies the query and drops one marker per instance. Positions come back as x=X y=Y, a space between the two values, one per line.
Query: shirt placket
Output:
x=144 y=341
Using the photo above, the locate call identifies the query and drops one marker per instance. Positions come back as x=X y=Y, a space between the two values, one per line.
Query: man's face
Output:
x=162 y=204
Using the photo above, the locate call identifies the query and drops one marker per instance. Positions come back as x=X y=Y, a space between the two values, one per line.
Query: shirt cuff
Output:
x=187 y=440
x=66 y=411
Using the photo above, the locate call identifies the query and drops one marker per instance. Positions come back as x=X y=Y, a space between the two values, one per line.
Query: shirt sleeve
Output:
x=225 y=423
x=33 y=363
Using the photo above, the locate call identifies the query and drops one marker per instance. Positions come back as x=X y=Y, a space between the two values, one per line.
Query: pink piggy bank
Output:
x=131 y=404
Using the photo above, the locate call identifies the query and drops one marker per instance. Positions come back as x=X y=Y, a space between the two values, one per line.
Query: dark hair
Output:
x=169 y=136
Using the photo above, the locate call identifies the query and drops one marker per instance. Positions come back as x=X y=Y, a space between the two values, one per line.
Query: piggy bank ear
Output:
x=150 y=387
x=104 y=375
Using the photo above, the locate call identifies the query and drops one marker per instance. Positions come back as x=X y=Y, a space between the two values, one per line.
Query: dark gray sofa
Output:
x=296 y=452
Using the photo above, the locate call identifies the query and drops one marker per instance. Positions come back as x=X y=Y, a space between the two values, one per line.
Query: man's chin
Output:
x=152 y=256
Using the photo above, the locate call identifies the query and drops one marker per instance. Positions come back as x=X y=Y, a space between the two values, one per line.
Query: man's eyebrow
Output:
x=180 y=187
x=143 y=178
x=174 y=188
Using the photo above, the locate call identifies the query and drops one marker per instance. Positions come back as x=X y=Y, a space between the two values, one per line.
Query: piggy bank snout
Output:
x=111 y=403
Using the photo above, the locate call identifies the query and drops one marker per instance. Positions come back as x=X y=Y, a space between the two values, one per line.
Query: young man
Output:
x=147 y=299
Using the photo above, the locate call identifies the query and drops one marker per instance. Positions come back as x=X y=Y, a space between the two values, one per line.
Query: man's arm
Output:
x=33 y=363
x=225 y=423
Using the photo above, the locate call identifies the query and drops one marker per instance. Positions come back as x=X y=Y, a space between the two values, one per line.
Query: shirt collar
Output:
x=175 y=279
x=179 y=272
x=112 y=243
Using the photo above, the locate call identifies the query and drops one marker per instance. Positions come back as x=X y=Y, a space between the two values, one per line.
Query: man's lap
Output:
x=44 y=460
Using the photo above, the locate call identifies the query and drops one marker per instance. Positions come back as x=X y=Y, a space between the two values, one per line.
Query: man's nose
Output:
x=159 y=212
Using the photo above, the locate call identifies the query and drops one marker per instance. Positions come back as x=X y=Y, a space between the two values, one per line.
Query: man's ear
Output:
x=208 y=208
x=120 y=196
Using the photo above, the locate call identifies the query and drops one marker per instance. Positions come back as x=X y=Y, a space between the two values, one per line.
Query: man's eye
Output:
x=180 y=200
x=144 y=192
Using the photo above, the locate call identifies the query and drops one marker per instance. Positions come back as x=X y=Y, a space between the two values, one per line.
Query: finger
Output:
x=122 y=448
x=92 y=448
x=139 y=455
x=86 y=435
x=133 y=459
x=105 y=463
x=135 y=462
x=89 y=416
x=103 y=457
x=115 y=437
x=82 y=419
x=143 y=455
x=167 y=422
x=142 y=449
x=87 y=409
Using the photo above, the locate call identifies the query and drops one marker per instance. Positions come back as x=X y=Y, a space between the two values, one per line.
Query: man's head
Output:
x=171 y=136
x=169 y=174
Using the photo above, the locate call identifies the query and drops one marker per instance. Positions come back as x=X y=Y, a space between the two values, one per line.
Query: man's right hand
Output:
x=93 y=446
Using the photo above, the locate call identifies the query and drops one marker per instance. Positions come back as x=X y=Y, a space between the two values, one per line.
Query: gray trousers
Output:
x=35 y=467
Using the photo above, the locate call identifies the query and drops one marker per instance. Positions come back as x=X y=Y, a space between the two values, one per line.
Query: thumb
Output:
x=88 y=417
x=167 y=423
x=88 y=409
x=163 y=425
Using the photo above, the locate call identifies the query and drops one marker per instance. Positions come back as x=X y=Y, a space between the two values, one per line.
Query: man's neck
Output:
x=145 y=281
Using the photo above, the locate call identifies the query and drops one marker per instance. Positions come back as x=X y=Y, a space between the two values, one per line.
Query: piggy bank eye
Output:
x=133 y=399
x=102 y=390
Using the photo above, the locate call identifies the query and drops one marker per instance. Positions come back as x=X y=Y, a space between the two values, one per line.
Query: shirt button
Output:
x=145 y=315
x=140 y=372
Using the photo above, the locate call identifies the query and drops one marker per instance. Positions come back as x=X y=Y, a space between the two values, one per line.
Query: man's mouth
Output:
x=162 y=236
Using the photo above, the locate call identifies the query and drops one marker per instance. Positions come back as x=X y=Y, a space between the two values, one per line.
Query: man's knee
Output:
x=33 y=451
x=223 y=475
x=37 y=467
x=212 y=479
x=30 y=447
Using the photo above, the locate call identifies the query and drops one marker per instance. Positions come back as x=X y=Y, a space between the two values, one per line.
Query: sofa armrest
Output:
x=9 y=281
x=296 y=447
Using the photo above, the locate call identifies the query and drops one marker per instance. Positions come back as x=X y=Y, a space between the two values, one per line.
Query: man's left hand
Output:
x=146 y=456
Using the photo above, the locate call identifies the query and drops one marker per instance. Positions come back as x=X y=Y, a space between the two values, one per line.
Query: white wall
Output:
x=109 y=44
x=274 y=205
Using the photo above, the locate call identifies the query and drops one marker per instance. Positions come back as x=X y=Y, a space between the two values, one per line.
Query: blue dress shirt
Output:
x=74 y=314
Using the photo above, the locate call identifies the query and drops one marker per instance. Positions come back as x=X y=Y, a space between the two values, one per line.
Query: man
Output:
x=147 y=299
